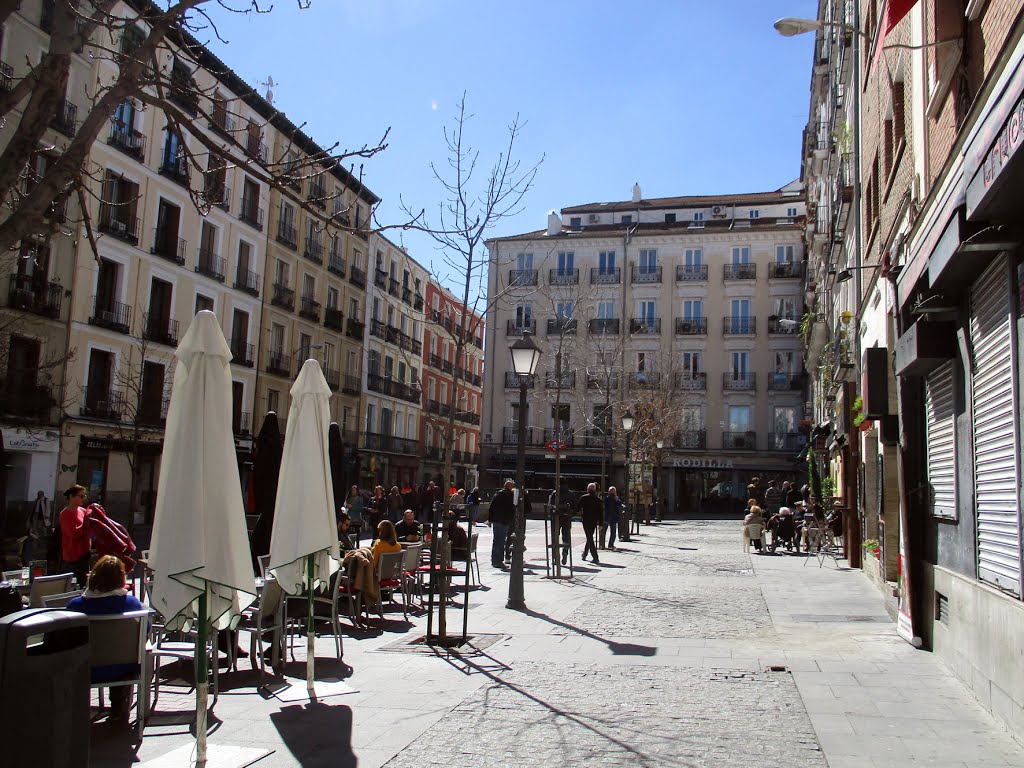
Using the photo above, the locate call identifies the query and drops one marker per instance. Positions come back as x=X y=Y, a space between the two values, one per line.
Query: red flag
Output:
x=895 y=10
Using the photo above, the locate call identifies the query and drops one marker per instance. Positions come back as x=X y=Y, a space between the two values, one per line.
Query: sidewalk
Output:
x=678 y=650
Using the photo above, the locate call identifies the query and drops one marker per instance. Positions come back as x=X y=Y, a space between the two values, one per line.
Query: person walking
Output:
x=37 y=527
x=473 y=505
x=612 y=516
x=591 y=513
x=502 y=516
x=790 y=495
x=396 y=505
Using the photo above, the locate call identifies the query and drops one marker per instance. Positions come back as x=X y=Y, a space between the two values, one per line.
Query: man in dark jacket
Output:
x=502 y=516
x=591 y=511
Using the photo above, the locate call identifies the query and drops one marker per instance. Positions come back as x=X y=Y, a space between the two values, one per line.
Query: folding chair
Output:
x=267 y=617
x=389 y=576
x=410 y=570
x=751 y=532
x=61 y=599
x=120 y=639
x=48 y=585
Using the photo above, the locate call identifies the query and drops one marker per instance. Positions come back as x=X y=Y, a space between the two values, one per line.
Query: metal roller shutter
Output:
x=938 y=406
x=995 y=465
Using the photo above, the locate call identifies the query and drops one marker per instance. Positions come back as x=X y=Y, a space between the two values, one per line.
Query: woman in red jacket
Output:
x=74 y=536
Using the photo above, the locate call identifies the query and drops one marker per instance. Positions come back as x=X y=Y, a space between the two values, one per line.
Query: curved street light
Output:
x=525 y=357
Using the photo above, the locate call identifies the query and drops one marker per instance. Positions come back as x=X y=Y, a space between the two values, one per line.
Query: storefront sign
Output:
x=702 y=463
x=21 y=440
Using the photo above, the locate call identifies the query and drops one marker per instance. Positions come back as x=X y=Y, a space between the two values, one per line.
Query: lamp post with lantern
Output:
x=628 y=423
x=525 y=357
x=657 y=483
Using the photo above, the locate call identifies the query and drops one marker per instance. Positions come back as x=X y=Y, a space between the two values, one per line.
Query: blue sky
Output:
x=682 y=97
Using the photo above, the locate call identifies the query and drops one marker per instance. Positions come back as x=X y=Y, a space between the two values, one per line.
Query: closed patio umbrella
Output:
x=304 y=545
x=336 y=457
x=266 y=467
x=199 y=551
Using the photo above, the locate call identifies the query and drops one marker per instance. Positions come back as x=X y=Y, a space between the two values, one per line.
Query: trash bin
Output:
x=44 y=688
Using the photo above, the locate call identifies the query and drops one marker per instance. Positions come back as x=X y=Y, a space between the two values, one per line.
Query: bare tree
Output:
x=465 y=215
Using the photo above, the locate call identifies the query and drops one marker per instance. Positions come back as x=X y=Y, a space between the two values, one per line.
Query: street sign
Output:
x=556 y=445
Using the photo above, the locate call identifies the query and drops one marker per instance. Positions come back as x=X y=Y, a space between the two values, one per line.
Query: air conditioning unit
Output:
x=718 y=210
x=687 y=327
x=118 y=226
x=593 y=218
x=107 y=316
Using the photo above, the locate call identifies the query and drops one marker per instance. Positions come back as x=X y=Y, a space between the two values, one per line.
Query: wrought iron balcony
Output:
x=407 y=295
x=354 y=329
x=34 y=295
x=563 y=276
x=309 y=308
x=417 y=301
x=127 y=139
x=377 y=328
x=783 y=326
x=608 y=382
x=519 y=327
x=283 y=297
x=65 y=120
x=739 y=325
x=512 y=380
x=394 y=287
x=251 y=213
x=787 y=441
x=565 y=435
x=558 y=326
x=734 y=381
x=786 y=382
x=357 y=277
x=467 y=417
x=334 y=319
x=240 y=422
x=373 y=441
x=646 y=274
x=691 y=326
x=565 y=381
x=522 y=277
x=604 y=326
x=692 y=381
x=211 y=265
x=163 y=330
x=314 y=250
x=645 y=326
x=175 y=168
x=333 y=378
x=644 y=379
x=739 y=441
x=786 y=269
x=690 y=438
x=220 y=121
x=605 y=276
x=21 y=398
x=688 y=273
x=380 y=279
x=351 y=384
x=168 y=245
x=286 y=234
x=255 y=147
x=337 y=265
x=152 y=411
x=317 y=194
x=248 y=281
x=243 y=353
x=215 y=192
x=112 y=315
x=102 y=403
x=510 y=436
x=279 y=362
x=739 y=271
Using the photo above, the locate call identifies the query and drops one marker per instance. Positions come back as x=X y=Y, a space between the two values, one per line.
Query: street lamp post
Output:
x=657 y=484
x=525 y=356
x=627 y=427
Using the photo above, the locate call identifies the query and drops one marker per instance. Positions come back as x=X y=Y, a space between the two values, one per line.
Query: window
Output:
x=606 y=310
x=239 y=331
x=784 y=423
x=645 y=312
x=784 y=254
x=373 y=362
x=648 y=259
x=627 y=219
x=375 y=309
x=645 y=362
x=273 y=400
x=670 y=218
x=329 y=355
x=174 y=153
x=565 y=262
x=203 y=302
x=791 y=213
x=785 y=308
x=561 y=416
x=576 y=222
x=602 y=419
x=332 y=297
x=606 y=262
x=739 y=320
x=741 y=255
x=693 y=309
x=691 y=418
x=754 y=214
x=698 y=215
x=739 y=418
x=124 y=115
x=524 y=314
x=693 y=257
x=563 y=309
x=305 y=346
x=276 y=338
x=524 y=262
x=739 y=365
x=692 y=364
x=370 y=421
x=281 y=273
x=784 y=361
x=308 y=286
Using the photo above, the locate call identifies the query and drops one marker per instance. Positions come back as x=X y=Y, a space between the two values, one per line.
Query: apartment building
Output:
x=282 y=265
x=452 y=381
x=929 y=317
x=390 y=448
x=684 y=311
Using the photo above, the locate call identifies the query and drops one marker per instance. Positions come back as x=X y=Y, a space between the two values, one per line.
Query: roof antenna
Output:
x=268 y=84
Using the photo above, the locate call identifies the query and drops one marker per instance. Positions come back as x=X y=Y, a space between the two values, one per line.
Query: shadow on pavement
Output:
x=619 y=649
x=317 y=734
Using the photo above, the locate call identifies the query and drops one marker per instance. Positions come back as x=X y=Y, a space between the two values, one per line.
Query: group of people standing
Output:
x=367 y=509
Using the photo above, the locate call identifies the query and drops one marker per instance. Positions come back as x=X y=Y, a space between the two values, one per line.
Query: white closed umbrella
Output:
x=304 y=543
x=199 y=553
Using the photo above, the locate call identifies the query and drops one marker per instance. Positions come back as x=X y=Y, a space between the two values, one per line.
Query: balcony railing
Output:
x=377 y=328
x=314 y=250
x=334 y=319
x=317 y=194
x=160 y=329
x=645 y=326
x=254 y=146
x=248 y=281
x=786 y=269
x=646 y=274
x=604 y=326
x=37 y=296
x=102 y=403
x=565 y=435
x=739 y=271
x=739 y=441
x=6 y=77
x=691 y=326
x=690 y=438
x=510 y=436
x=168 y=245
x=127 y=139
x=216 y=192
x=220 y=122
x=467 y=417
x=787 y=441
x=251 y=213
x=692 y=381
x=687 y=273
x=522 y=277
x=558 y=326
x=351 y=384
x=783 y=326
x=354 y=329
x=286 y=234
x=113 y=315
x=279 y=362
x=565 y=381
x=65 y=120
x=519 y=327
x=333 y=378
x=380 y=279
x=336 y=264
x=240 y=422
x=786 y=382
x=373 y=441
x=357 y=277
x=175 y=168
x=152 y=411
x=243 y=353
x=596 y=438
x=606 y=276
x=434 y=360
x=21 y=398
x=417 y=301
x=734 y=381
x=739 y=325
x=607 y=382
x=512 y=380
x=407 y=295
x=115 y=221
x=283 y=297
x=563 y=276
x=309 y=308
x=644 y=379
x=394 y=287
x=211 y=265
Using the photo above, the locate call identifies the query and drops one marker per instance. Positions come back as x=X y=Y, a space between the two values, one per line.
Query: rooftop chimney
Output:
x=554 y=223
x=636 y=193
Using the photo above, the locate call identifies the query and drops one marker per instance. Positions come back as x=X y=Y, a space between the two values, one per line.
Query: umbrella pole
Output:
x=310 y=628
x=202 y=690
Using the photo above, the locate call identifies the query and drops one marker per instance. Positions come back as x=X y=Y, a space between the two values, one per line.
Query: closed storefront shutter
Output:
x=995 y=466
x=938 y=405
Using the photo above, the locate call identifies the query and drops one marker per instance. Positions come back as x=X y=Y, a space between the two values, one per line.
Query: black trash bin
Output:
x=44 y=688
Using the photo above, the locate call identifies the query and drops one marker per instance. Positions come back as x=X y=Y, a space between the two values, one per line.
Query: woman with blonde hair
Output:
x=387 y=541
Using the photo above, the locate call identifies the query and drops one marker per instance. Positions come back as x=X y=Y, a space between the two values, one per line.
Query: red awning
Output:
x=895 y=10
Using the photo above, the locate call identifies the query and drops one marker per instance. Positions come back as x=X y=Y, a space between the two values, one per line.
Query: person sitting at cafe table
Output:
x=106 y=595
x=407 y=529
x=457 y=536
x=344 y=524
x=387 y=541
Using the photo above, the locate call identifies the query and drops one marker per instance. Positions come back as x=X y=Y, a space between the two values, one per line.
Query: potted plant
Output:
x=859 y=420
x=872 y=546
